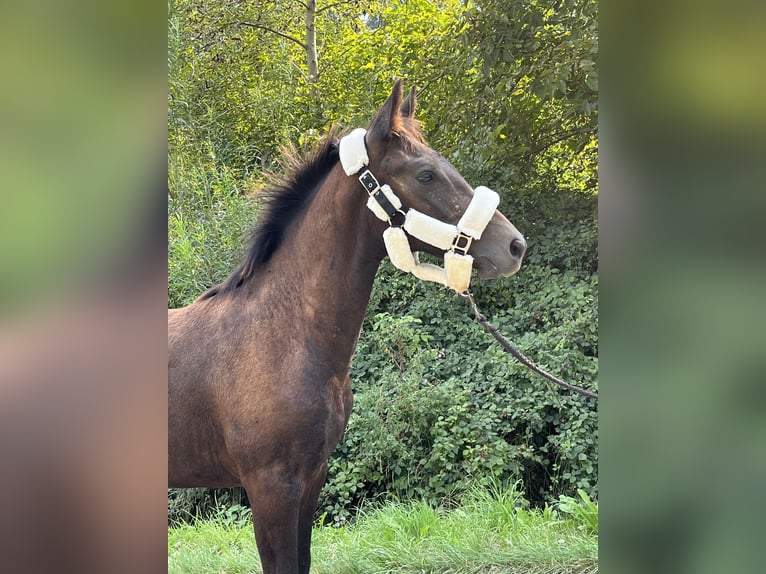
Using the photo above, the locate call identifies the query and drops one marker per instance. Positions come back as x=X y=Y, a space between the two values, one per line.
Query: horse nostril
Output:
x=518 y=248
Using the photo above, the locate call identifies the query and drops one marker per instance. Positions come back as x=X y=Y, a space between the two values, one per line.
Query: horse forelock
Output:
x=408 y=131
x=283 y=199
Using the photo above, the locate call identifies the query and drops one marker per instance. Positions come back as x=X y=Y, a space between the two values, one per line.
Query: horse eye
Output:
x=425 y=177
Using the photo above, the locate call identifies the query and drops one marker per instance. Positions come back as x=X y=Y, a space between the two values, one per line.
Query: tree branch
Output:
x=273 y=31
x=333 y=5
x=559 y=137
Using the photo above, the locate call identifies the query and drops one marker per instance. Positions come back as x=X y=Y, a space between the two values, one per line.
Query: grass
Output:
x=490 y=532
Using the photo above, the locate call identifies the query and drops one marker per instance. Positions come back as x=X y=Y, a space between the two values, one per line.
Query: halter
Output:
x=455 y=240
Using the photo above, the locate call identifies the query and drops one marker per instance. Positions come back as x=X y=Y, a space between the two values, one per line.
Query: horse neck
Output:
x=322 y=274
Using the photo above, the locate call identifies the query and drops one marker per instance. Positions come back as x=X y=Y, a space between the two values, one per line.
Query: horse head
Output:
x=427 y=204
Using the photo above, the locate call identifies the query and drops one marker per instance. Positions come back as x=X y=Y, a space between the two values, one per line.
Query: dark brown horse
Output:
x=259 y=390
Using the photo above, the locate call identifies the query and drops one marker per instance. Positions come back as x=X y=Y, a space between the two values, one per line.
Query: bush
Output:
x=440 y=407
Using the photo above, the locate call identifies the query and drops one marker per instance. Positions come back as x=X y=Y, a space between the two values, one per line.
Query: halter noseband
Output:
x=454 y=239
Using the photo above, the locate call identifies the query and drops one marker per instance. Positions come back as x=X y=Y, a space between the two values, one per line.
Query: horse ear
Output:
x=388 y=120
x=408 y=107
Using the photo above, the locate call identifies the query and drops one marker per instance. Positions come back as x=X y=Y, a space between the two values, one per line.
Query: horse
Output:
x=259 y=393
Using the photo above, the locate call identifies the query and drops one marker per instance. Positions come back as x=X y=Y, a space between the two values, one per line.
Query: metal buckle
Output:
x=462 y=243
x=397 y=219
x=368 y=181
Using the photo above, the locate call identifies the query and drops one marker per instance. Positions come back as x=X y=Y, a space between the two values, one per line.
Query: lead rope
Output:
x=489 y=328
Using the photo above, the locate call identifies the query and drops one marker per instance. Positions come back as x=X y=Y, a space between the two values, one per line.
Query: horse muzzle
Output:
x=500 y=251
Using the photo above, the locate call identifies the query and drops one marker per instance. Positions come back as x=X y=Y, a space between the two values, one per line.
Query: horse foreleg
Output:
x=275 y=497
x=308 y=506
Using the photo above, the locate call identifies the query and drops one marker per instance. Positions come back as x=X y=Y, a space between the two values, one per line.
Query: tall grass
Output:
x=489 y=531
x=209 y=215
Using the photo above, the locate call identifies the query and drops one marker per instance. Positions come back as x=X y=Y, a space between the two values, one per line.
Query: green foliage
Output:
x=524 y=73
x=507 y=87
x=509 y=95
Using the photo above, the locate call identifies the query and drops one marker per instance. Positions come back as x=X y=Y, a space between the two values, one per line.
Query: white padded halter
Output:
x=353 y=152
x=455 y=240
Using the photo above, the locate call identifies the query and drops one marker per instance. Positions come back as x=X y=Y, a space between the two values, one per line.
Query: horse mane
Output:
x=283 y=199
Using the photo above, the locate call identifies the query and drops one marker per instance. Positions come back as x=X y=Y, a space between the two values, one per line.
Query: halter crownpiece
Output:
x=455 y=240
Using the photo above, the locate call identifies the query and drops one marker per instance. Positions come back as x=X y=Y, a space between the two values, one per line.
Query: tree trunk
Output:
x=311 y=47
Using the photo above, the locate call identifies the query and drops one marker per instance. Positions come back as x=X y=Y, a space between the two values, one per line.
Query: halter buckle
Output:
x=462 y=243
x=397 y=218
x=369 y=181
x=376 y=192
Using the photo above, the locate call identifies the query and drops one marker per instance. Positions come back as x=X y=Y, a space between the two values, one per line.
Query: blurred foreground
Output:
x=82 y=289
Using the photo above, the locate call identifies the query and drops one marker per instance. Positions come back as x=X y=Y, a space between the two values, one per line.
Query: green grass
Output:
x=489 y=532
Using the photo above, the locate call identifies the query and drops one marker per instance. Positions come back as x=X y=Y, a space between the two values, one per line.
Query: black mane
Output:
x=283 y=200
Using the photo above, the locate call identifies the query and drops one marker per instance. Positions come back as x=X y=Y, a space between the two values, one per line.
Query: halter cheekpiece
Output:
x=455 y=240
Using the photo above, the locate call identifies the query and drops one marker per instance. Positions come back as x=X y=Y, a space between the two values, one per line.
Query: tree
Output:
x=527 y=85
x=248 y=72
